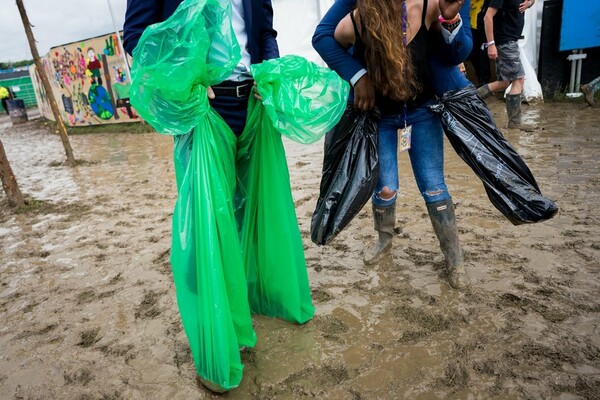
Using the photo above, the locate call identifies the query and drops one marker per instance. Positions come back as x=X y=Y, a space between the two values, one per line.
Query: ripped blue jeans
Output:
x=426 y=155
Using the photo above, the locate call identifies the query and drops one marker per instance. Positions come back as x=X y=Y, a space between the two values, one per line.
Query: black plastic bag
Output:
x=509 y=183
x=350 y=172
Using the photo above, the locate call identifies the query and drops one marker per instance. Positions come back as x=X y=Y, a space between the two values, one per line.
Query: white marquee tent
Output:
x=295 y=22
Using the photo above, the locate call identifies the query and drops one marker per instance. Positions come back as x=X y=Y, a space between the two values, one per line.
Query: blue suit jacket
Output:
x=258 y=15
x=347 y=66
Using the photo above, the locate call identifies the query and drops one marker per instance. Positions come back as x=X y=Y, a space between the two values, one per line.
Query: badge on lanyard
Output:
x=405 y=134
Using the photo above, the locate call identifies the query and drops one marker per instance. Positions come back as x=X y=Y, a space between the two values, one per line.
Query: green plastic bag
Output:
x=206 y=258
x=271 y=242
x=177 y=59
x=173 y=63
x=222 y=267
x=301 y=101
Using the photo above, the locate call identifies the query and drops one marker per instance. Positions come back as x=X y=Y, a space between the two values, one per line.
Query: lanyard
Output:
x=404 y=33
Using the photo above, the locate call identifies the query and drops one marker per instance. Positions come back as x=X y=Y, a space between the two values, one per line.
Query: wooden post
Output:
x=46 y=82
x=9 y=182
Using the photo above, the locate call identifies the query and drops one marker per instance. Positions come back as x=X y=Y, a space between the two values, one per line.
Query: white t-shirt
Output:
x=219 y=53
x=242 y=71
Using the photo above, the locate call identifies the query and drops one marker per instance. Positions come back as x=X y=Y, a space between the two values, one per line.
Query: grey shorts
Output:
x=508 y=64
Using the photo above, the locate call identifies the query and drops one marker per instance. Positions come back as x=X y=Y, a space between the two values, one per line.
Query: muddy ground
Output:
x=88 y=310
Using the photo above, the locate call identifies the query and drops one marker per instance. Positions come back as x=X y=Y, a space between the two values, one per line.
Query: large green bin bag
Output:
x=301 y=101
x=224 y=267
x=173 y=63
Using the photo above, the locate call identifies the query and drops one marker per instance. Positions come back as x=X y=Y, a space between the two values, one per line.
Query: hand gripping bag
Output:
x=350 y=172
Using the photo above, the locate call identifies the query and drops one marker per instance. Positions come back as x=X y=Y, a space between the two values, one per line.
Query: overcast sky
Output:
x=55 y=22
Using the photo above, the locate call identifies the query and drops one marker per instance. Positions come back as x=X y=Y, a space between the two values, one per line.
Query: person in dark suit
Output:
x=253 y=25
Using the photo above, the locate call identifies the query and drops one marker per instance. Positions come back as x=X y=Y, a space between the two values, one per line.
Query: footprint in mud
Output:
x=304 y=200
x=314 y=381
x=426 y=322
x=549 y=313
x=148 y=308
x=79 y=377
x=456 y=375
x=86 y=296
x=420 y=257
x=124 y=351
x=40 y=332
x=115 y=279
x=154 y=239
x=248 y=356
x=321 y=296
x=125 y=224
x=330 y=327
x=106 y=294
x=174 y=328
x=340 y=246
x=511 y=300
x=89 y=337
x=162 y=263
x=31 y=306
x=102 y=246
x=32 y=254
x=183 y=354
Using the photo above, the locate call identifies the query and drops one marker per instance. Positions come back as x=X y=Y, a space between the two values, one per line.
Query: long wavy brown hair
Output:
x=388 y=60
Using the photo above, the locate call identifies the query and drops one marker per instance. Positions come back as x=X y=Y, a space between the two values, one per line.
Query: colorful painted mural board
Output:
x=89 y=81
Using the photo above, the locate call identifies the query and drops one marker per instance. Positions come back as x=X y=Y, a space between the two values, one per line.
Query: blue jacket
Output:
x=347 y=66
x=447 y=76
x=258 y=15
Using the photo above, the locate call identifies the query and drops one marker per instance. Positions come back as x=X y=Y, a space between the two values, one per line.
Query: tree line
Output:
x=15 y=64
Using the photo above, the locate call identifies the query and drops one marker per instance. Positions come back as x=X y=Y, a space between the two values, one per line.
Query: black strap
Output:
x=424 y=16
x=233 y=91
x=356 y=32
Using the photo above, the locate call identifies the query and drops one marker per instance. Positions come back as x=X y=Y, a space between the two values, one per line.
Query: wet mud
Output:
x=88 y=306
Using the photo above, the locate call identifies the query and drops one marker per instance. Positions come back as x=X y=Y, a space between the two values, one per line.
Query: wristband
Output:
x=449 y=21
x=488 y=44
x=451 y=26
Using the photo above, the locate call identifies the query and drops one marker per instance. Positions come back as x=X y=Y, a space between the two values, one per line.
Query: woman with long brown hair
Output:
x=389 y=40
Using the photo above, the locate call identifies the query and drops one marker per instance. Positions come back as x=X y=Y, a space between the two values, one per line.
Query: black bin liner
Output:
x=509 y=183
x=350 y=172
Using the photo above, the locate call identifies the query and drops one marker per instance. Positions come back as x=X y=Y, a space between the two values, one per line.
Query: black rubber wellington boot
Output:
x=385 y=220
x=513 y=109
x=444 y=224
